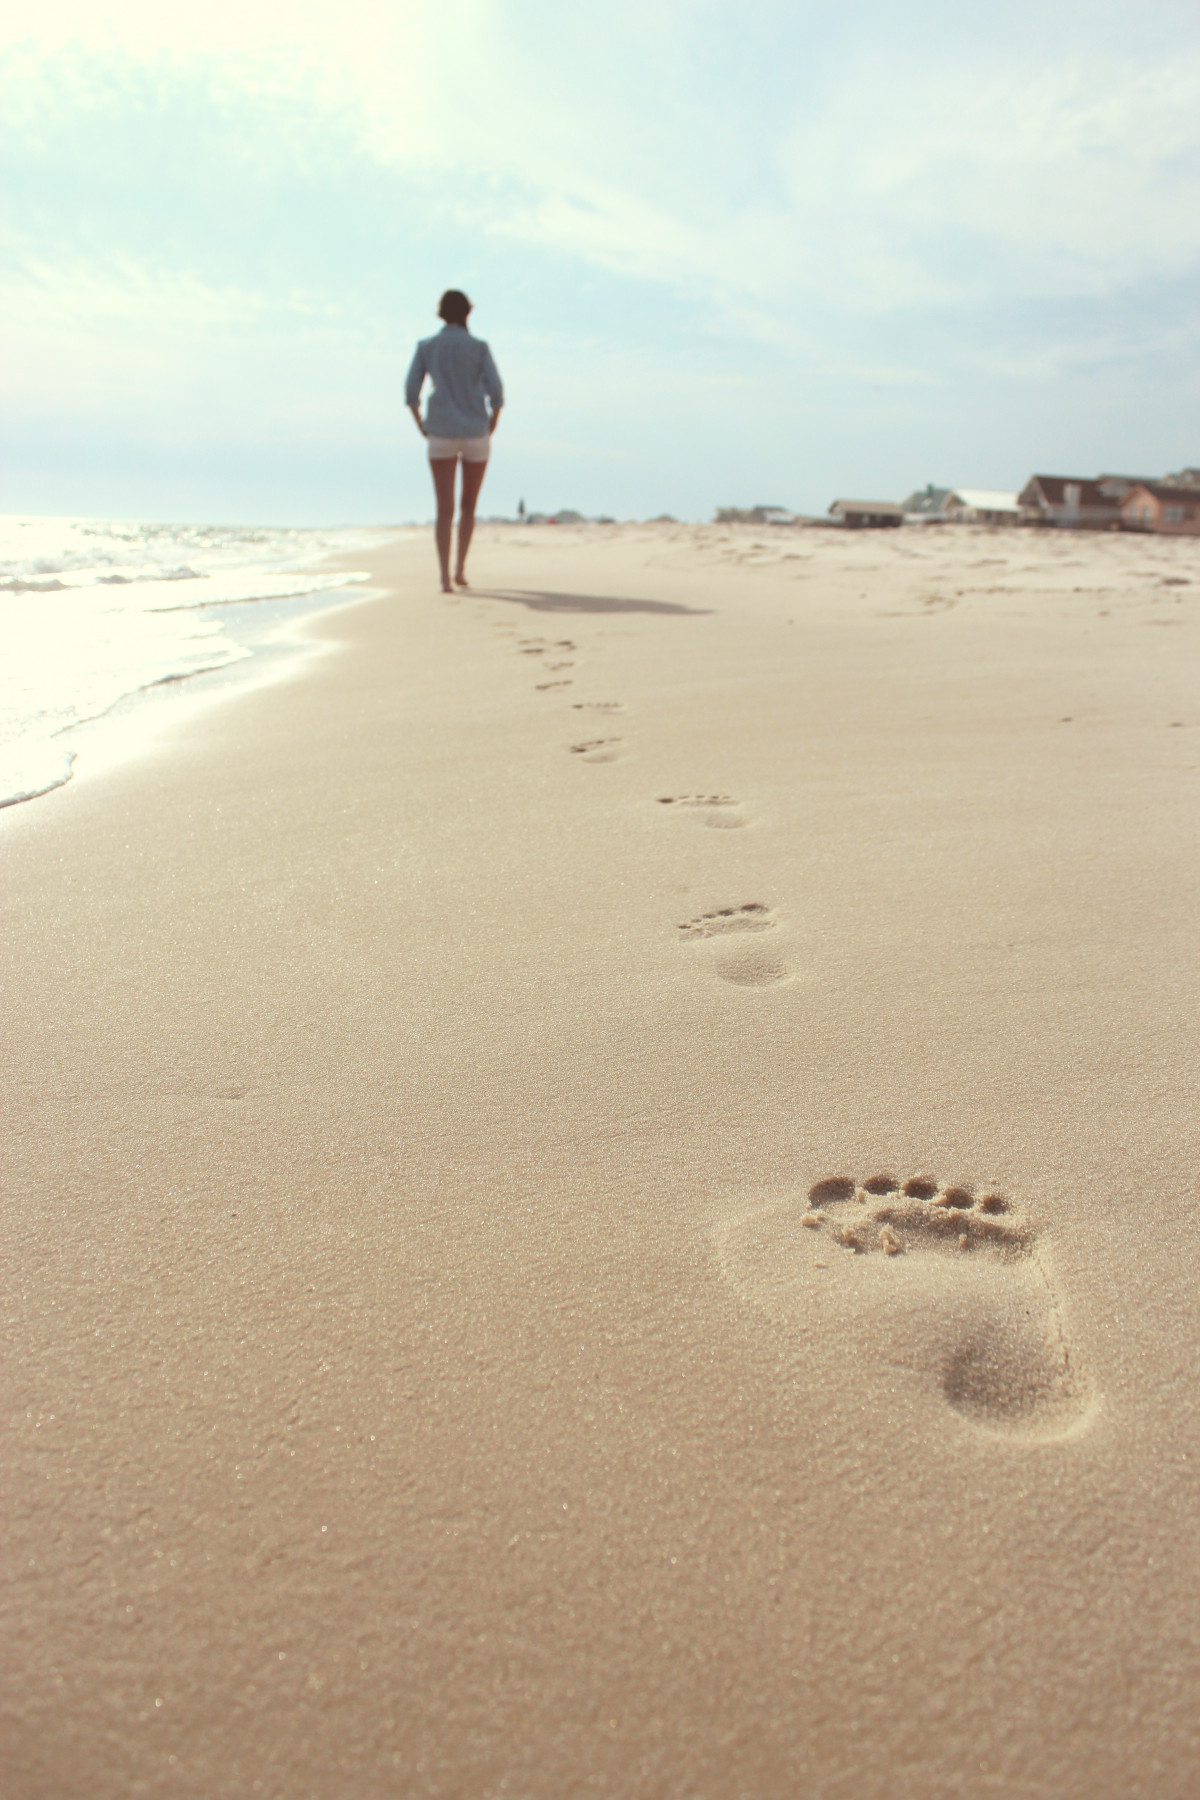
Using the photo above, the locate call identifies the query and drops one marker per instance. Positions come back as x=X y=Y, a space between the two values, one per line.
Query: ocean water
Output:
x=95 y=610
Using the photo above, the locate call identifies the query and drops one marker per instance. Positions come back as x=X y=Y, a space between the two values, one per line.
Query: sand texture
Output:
x=602 y=1192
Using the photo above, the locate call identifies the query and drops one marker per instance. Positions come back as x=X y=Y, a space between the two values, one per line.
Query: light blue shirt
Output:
x=464 y=379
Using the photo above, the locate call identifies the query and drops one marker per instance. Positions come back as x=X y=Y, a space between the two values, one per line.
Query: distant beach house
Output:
x=754 y=515
x=926 y=505
x=1073 y=501
x=856 y=514
x=982 y=506
x=1159 y=506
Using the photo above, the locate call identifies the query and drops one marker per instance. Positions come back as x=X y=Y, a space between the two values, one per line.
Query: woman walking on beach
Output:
x=463 y=411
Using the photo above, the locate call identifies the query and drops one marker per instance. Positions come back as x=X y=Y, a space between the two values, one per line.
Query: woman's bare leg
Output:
x=472 y=480
x=443 y=486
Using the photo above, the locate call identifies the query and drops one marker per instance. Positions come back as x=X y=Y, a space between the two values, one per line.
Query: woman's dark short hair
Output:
x=454 y=307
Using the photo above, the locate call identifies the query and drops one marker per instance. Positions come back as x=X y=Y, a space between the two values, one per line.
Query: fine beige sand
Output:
x=602 y=1192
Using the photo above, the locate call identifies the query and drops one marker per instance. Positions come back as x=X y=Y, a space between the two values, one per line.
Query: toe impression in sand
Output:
x=719 y=811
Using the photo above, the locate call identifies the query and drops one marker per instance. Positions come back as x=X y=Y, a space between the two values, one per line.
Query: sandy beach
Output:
x=602 y=1191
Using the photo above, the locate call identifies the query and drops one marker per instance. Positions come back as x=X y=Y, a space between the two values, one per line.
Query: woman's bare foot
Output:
x=460 y=580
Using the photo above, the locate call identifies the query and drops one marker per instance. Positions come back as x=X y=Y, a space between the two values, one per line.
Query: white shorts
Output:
x=470 y=449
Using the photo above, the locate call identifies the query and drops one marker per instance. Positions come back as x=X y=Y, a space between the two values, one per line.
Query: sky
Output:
x=724 y=254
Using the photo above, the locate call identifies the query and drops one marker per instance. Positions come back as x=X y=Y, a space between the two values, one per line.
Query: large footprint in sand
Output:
x=950 y=1284
x=732 y=942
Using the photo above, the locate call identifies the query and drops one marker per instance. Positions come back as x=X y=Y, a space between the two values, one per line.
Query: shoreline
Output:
x=271 y=639
x=420 y=1374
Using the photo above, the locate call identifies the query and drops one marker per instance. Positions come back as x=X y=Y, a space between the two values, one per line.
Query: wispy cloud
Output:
x=620 y=145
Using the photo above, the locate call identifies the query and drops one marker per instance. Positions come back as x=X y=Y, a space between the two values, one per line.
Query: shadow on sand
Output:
x=585 y=603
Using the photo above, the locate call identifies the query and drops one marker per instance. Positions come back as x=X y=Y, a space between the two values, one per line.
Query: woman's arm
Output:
x=493 y=387
x=413 y=385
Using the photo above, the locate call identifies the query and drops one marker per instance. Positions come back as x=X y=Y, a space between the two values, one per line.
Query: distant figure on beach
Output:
x=463 y=412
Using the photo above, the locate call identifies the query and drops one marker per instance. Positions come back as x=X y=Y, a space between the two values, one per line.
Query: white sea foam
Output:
x=93 y=610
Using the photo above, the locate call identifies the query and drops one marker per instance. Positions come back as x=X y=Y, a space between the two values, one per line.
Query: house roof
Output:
x=1163 y=490
x=1054 y=490
x=928 y=499
x=1119 y=485
x=987 y=499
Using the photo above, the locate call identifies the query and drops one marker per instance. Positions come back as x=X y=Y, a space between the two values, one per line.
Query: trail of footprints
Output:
x=951 y=1281
x=948 y=1281
x=741 y=964
x=559 y=651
